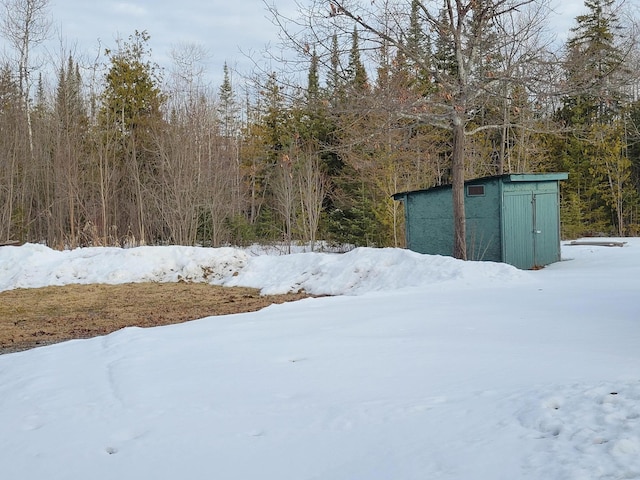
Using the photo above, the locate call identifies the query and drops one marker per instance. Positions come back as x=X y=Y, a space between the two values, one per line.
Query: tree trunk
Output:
x=457 y=173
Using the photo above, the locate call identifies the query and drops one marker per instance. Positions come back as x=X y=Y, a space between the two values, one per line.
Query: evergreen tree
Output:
x=132 y=97
x=275 y=119
x=130 y=112
x=313 y=80
x=595 y=65
x=270 y=139
x=9 y=90
x=357 y=77
x=228 y=109
x=69 y=158
x=69 y=103
x=593 y=150
x=335 y=78
x=444 y=56
x=418 y=45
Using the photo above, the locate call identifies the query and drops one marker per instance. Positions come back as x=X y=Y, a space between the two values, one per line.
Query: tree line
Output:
x=392 y=97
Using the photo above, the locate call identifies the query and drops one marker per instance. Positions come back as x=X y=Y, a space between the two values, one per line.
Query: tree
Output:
x=595 y=115
x=131 y=109
x=418 y=42
x=312 y=187
x=611 y=168
x=335 y=77
x=357 y=78
x=132 y=96
x=465 y=36
x=313 y=80
x=595 y=63
x=314 y=129
x=230 y=126
x=69 y=151
x=13 y=155
x=25 y=25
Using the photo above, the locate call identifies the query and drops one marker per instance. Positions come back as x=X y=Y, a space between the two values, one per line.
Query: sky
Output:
x=237 y=32
x=416 y=366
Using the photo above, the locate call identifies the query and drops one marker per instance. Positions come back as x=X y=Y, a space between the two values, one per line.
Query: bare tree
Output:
x=25 y=25
x=10 y=113
x=471 y=36
x=312 y=186
x=285 y=195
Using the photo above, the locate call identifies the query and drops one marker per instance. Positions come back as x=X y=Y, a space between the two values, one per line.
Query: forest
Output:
x=375 y=98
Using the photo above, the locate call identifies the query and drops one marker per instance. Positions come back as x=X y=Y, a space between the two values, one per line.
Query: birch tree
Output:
x=25 y=25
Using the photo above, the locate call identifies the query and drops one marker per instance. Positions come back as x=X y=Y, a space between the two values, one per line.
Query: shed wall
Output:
x=429 y=223
x=483 y=222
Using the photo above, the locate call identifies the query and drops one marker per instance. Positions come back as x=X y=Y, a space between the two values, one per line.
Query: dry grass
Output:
x=41 y=316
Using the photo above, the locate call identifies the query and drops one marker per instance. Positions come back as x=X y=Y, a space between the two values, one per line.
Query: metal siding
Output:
x=483 y=223
x=431 y=229
x=546 y=228
x=517 y=227
x=408 y=221
x=531 y=232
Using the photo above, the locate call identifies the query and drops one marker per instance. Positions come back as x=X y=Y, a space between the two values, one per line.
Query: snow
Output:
x=417 y=367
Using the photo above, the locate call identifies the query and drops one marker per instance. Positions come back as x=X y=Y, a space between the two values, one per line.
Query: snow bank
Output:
x=361 y=271
x=357 y=272
x=31 y=265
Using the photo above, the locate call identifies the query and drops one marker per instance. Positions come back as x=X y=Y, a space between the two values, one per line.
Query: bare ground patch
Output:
x=41 y=316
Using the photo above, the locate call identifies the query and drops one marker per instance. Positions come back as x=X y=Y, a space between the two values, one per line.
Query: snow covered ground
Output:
x=421 y=367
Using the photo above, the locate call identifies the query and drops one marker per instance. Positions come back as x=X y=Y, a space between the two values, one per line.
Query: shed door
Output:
x=546 y=229
x=530 y=229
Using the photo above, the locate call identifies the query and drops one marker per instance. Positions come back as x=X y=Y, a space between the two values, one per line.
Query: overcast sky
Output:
x=230 y=30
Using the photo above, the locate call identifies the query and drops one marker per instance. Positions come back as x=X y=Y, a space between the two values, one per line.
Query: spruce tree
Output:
x=228 y=109
x=357 y=77
x=595 y=65
x=335 y=78
x=419 y=57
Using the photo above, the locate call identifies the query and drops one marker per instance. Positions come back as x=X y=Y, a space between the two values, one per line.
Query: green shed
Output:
x=512 y=218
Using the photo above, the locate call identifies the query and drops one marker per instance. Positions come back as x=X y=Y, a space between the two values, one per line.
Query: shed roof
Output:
x=507 y=177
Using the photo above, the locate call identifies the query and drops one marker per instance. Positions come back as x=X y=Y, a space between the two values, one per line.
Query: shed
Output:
x=512 y=218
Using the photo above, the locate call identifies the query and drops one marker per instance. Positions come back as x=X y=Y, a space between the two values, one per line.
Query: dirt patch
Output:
x=41 y=316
